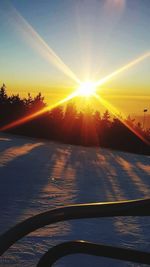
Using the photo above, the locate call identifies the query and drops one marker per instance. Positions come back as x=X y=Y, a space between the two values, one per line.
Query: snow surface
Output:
x=36 y=176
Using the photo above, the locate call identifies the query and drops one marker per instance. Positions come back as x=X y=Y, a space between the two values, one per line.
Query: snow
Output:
x=36 y=176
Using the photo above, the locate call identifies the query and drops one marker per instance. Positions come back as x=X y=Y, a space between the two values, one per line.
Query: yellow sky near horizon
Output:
x=92 y=42
x=129 y=103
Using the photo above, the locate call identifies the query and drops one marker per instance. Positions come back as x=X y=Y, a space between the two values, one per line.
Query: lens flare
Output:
x=116 y=4
x=122 y=69
x=122 y=118
x=36 y=114
x=86 y=89
x=36 y=41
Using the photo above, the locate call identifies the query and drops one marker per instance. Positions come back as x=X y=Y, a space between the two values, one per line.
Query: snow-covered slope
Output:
x=36 y=176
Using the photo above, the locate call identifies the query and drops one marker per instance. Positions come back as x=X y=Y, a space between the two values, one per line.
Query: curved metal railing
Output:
x=84 y=247
x=94 y=210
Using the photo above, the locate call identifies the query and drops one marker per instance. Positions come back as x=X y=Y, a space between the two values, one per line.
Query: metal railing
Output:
x=84 y=247
x=72 y=212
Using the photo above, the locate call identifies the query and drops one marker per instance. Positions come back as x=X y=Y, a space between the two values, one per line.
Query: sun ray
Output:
x=122 y=69
x=133 y=97
x=37 y=42
x=122 y=118
x=37 y=113
x=47 y=52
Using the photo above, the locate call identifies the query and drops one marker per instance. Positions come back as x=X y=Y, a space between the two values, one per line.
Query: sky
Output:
x=48 y=45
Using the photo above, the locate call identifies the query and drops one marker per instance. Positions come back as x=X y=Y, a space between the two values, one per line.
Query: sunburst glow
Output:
x=37 y=42
x=122 y=118
x=86 y=89
x=37 y=113
x=124 y=68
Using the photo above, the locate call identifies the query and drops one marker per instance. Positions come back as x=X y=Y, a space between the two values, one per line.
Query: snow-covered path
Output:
x=36 y=176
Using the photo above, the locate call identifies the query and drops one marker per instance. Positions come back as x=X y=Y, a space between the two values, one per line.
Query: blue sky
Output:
x=93 y=38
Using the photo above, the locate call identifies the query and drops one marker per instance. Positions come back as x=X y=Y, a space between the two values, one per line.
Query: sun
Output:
x=86 y=89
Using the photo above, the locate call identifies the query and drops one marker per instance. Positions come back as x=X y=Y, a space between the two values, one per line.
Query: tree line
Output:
x=68 y=125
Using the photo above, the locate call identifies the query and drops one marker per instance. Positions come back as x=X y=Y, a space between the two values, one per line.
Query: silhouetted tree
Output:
x=68 y=125
x=3 y=95
x=130 y=121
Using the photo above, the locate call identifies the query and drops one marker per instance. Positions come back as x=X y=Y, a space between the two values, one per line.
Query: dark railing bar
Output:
x=80 y=211
x=84 y=247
